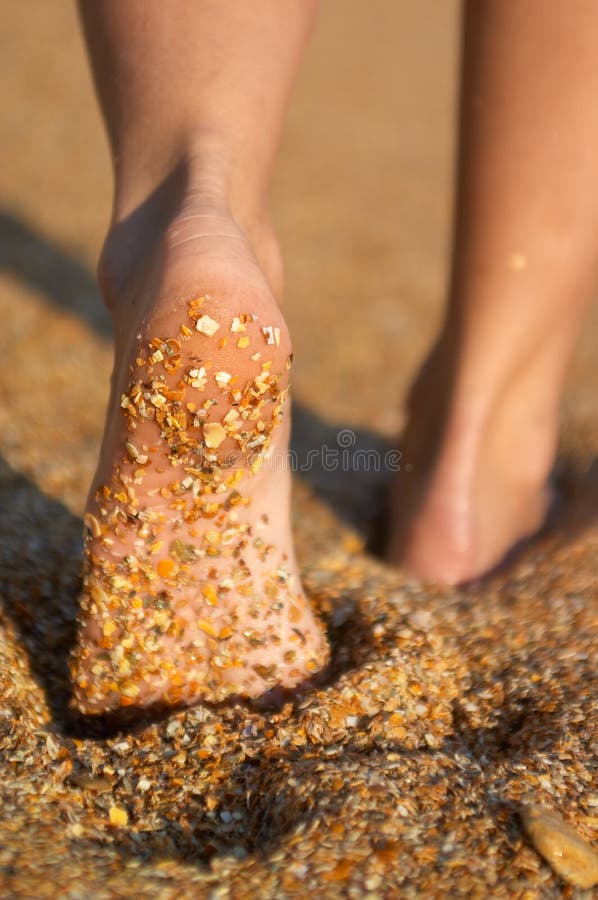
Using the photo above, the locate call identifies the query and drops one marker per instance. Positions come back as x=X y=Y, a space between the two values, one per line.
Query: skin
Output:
x=191 y=585
x=194 y=96
x=483 y=421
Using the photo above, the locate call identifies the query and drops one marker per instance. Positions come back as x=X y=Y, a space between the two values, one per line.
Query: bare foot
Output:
x=191 y=587
x=476 y=462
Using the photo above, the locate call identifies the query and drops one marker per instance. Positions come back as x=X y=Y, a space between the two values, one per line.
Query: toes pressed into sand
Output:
x=190 y=587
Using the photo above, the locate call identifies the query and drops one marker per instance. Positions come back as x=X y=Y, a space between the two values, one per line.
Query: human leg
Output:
x=191 y=587
x=483 y=413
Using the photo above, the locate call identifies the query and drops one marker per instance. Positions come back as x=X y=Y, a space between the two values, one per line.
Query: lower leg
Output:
x=483 y=419
x=194 y=95
x=191 y=587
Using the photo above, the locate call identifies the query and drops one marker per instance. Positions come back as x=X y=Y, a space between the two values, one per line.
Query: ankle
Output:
x=190 y=195
x=459 y=412
x=200 y=164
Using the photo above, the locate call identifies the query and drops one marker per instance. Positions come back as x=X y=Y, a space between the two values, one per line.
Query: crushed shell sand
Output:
x=445 y=714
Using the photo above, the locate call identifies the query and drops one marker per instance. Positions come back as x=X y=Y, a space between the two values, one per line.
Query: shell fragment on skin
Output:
x=207 y=325
x=197 y=378
x=272 y=334
x=268 y=333
x=222 y=378
x=213 y=434
x=94 y=526
x=571 y=857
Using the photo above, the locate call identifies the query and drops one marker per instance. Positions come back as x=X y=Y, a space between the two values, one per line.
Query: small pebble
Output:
x=118 y=816
x=89 y=783
x=574 y=860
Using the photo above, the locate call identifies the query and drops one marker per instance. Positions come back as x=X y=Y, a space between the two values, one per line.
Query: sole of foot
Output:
x=191 y=589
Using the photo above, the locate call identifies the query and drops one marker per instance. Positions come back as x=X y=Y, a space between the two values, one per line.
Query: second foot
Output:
x=469 y=494
x=444 y=536
x=191 y=586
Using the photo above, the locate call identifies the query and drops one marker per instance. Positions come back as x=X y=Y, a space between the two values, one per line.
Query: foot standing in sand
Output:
x=191 y=585
x=484 y=410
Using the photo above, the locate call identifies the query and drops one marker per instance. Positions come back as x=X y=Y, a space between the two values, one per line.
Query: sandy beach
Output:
x=446 y=713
